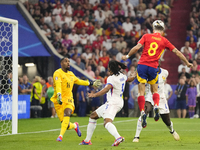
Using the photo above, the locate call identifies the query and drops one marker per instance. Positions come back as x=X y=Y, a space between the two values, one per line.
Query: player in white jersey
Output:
x=163 y=106
x=114 y=89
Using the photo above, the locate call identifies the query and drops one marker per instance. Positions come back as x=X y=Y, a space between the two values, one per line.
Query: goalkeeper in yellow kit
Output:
x=63 y=81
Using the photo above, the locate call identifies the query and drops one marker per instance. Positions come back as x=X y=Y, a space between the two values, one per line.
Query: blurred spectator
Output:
x=83 y=37
x=191 y=94
x=166 y=11
x=79 y=63
x=190 y=34
x=126 y=98
x=142 y=5
x=43 y=99
x=89 y=71
x=90 y=28
x=25 y=87
x=78 y=11
x=113 y=50
x=37 y=16
x=127 y=26
x=134 y=95
x=183 y=65
x=87 y=54
x=106 y=24
x=65 y=29
x=100 y=18
x=193 y=44
x=50 y=92
x=74 y=37
x=184 y=73
x=121 y=43
x=36 y=96
x=79 y=25
x=93 y=36
x=150 y=11
x=136 y=25
x=105 y=59
x=47 y=32
x=197 y=58
x=97 y=44
x=107 y=42
x=74 y=21
x=181 y=98
x=188 y=47
x=195 y=69
x=67 y=18
x=99 y=30
x=81 y=94
x=187 y=54
x=131 y=71
x=66 y=42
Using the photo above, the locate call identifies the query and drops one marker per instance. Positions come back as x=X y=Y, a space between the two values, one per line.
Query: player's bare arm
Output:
x=132 y=77
x=102 y=92
x=132 y=51
x=182 y=57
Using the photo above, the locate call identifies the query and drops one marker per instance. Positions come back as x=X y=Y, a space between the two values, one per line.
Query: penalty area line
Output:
x=59 y=128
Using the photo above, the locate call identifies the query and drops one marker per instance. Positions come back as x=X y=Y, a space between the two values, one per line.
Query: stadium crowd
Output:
x=93 y=32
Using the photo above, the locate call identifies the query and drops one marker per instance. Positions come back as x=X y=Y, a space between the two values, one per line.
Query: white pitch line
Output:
x=59 y=128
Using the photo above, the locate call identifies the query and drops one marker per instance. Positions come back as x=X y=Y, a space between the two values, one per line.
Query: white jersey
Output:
x=161 y=84
x=114 y=96
x=163 y=106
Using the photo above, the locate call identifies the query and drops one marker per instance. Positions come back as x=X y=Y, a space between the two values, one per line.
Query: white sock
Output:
x=138 y=128
x=90 y=129
x=112 y=129
x=170 y=127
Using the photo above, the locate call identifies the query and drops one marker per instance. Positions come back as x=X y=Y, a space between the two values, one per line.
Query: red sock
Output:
x=156 y=98
x=141 y=102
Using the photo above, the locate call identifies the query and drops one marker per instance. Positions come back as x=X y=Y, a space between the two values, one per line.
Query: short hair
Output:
x=63 y=58
x=159 y=28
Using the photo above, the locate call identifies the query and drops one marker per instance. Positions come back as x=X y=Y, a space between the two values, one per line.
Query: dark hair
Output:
x=63 y=58
x=116 y=66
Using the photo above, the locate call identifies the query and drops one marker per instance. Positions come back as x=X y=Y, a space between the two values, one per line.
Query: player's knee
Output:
x=107 y=121
x=94 y=115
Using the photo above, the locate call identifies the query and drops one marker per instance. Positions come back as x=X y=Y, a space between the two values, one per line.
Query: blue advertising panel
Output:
x=6 y=107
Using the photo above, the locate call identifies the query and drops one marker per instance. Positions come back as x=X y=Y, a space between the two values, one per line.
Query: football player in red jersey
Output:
x=154 y=45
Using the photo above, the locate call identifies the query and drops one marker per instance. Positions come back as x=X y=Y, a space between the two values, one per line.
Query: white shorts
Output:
x=108 y=111
x=163 y=105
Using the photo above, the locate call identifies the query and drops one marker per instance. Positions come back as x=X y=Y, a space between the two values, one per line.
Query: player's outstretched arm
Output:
x=132 y=51
x=132 y=77
x=95 y=83
x=102 y=92
x=182 y=57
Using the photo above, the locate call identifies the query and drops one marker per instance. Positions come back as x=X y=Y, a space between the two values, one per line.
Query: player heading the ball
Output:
x=154 y=45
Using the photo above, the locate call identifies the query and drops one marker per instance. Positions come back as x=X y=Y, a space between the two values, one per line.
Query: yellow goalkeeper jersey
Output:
x=63 y=83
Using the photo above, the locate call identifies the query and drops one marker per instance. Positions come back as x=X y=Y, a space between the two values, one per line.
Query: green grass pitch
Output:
x=41 y=134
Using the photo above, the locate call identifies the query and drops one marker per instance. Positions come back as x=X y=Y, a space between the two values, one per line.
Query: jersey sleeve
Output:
x=57 y=81
x=109 y=81
x=80 y=82
x=165 y=73
x=187 y=92
x=168 y=45
x=142 y=40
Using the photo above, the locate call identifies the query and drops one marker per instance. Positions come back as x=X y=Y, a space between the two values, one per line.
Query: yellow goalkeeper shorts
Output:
x=60 y=108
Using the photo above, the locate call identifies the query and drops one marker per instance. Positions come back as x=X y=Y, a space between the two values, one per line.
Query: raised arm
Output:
x=132 y=51
x=182 y=57
x=102 y=92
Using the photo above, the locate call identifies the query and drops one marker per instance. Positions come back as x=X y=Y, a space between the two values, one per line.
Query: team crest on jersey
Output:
x=56 y=78
x=71 y=78
x=163 y=78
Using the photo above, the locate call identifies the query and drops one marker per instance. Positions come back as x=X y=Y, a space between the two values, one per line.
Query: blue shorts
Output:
x=95 y=102
x=181 y=104
x=146 y=74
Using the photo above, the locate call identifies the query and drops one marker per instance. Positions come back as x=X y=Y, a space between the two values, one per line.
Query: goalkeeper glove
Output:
x=59 y=98
x=95 y=83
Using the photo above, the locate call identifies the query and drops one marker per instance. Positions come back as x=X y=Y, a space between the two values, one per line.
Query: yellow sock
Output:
x=64 y=125
x=71 y=126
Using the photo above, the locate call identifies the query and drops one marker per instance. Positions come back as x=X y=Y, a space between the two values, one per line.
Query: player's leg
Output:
x=109 y=115
x=138 y=130
x=169 y=124
x=92 y=124
x=156 y=98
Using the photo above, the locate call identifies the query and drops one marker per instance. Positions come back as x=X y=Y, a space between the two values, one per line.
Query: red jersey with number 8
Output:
x=154 y=45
